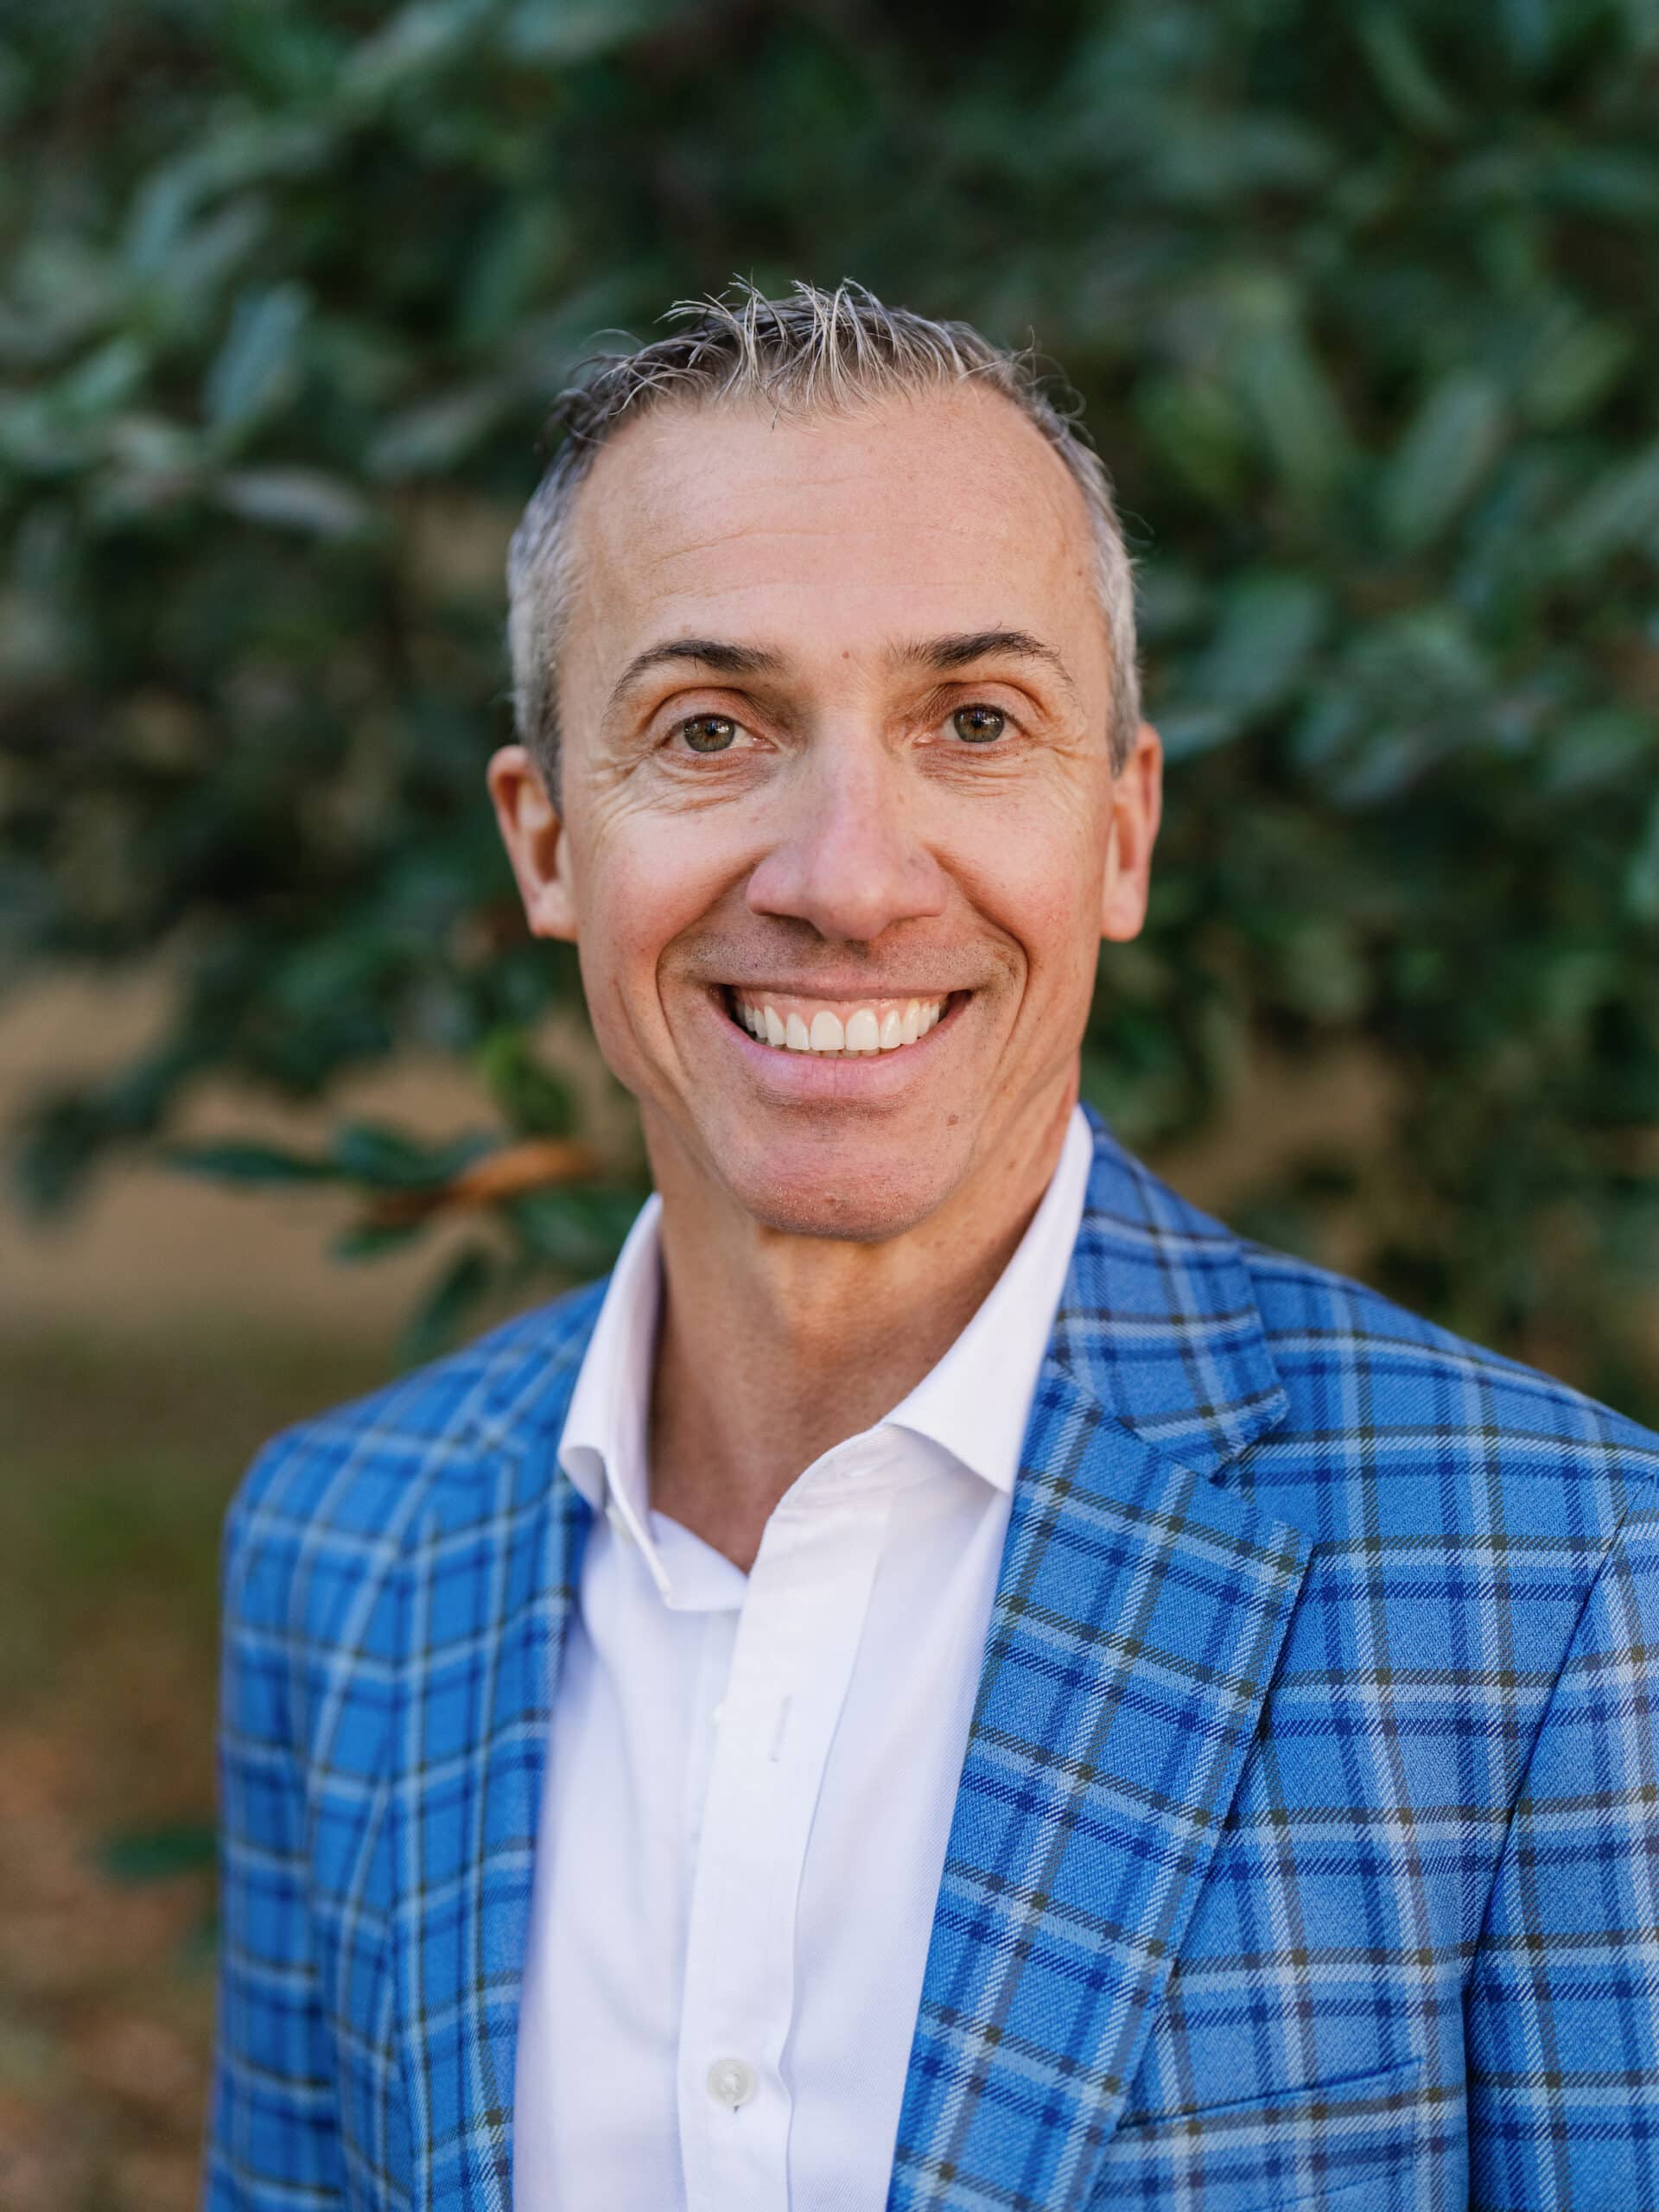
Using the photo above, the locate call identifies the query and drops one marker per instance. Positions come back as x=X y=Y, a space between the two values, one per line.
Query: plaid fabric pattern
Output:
x=1306 y=1850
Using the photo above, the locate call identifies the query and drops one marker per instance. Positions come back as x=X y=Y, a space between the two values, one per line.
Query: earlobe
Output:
x=1123 y=892
x=1137 y=807
x=537 y=842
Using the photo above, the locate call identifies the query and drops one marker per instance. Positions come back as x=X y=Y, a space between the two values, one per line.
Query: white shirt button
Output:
x=732 y=2083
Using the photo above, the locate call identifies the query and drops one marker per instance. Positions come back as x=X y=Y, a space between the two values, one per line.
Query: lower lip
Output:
x=828 y=1075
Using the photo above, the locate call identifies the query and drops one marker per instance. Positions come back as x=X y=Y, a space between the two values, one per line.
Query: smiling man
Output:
x=950 y=1680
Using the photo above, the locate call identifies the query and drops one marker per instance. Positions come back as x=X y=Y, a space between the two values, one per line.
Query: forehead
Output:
x=833 y=532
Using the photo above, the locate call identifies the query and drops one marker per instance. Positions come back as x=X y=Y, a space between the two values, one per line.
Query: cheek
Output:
x=1039 y=880
x=642 y=883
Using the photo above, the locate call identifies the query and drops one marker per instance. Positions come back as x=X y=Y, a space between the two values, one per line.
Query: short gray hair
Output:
x=812 y=352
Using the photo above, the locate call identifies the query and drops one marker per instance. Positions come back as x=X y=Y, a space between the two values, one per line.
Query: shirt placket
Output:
x=793 y=1660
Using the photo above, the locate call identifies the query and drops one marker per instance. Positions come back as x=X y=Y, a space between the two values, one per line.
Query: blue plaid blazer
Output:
x=1306 y=1847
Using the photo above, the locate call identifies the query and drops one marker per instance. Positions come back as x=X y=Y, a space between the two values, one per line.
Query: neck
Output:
x=774 y=1348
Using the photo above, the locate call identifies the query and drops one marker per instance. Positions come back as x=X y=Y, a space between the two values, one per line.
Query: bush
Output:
x=1362 y=304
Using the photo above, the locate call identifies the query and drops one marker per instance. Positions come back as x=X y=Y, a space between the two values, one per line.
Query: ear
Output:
x=1137 y=802
x=535 y=842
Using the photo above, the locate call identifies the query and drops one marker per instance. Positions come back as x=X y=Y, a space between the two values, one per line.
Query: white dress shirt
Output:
x=750 y=1778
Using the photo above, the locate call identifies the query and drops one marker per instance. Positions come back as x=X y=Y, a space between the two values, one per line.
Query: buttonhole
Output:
x=776 y=1750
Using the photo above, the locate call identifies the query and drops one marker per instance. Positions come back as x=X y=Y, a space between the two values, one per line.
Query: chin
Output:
x=861 y=1193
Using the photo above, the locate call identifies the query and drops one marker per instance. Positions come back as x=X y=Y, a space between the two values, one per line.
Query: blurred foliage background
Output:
x=1362 y=302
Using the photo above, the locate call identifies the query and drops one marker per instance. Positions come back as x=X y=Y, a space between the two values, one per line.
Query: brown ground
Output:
x=117 y=1465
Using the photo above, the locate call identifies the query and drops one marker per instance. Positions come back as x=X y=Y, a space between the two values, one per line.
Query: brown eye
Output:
x=709 y=733
x=979 y=725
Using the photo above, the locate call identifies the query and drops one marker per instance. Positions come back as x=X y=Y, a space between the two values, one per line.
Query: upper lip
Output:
x=862 y=988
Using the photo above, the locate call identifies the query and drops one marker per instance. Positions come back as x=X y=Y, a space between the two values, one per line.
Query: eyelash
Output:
x=680 y=726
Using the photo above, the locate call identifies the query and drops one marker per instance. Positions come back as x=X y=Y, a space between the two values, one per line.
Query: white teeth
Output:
x=865 y=1030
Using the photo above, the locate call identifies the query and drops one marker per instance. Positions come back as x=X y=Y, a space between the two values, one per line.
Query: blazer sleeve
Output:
x=272 y=2138
x=1562 y=2005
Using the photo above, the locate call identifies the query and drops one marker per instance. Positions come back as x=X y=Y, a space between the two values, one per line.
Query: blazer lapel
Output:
x=1138 y=1614
x=490 y=1582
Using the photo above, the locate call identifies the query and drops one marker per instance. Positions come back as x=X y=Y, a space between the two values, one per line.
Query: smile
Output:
x=842 y=1028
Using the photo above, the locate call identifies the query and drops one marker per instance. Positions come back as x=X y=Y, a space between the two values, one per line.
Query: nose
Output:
x=847 y=858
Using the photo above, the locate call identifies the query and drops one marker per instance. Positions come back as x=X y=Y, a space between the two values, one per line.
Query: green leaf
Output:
x=1283 y=385
x=525 y=252
x=1620 y=508
x=105 y=380
x=1611 y=180
x=1642 y=875
x=255 y=370
x=437 y=1321
x=1452 y=442
x=428 y=440
x=294 y=498
x=370 y=1240
x=1608 y=747
x=1402 y=76
x=382 y=1158
x=532 y=1099
x=1186 y=731
x=1527 y=29
x=206 y=255
x=235 y=1162
x=1574 y=364
x=1270 y=624
x=242 y=150
x=1196 y=428
x=578 y=1232
x=1321 y=971
x=417 y=44
x=565 y=31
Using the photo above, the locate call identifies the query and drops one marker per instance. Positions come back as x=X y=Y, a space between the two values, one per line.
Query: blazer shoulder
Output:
x=336 y=1492
x=1336 y=1341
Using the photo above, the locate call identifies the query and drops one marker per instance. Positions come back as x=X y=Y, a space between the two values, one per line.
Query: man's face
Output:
x=835 y=718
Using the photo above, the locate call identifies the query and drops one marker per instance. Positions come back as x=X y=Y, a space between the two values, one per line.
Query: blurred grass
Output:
x=119 y=1460
x=119 y=1463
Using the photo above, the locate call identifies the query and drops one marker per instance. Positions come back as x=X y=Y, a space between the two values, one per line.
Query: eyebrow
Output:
x=958 y=649
x=718 y=653
x=965 y=647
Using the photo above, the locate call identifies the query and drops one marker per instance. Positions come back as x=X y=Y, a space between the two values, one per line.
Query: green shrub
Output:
x=1362 y=302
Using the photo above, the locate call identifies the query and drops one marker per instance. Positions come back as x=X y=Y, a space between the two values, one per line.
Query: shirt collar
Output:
x=603 y=1445
x=973 y=1404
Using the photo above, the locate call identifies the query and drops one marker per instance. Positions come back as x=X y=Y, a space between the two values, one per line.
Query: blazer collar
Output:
x=1139 y=1615
x=1158 y=1321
